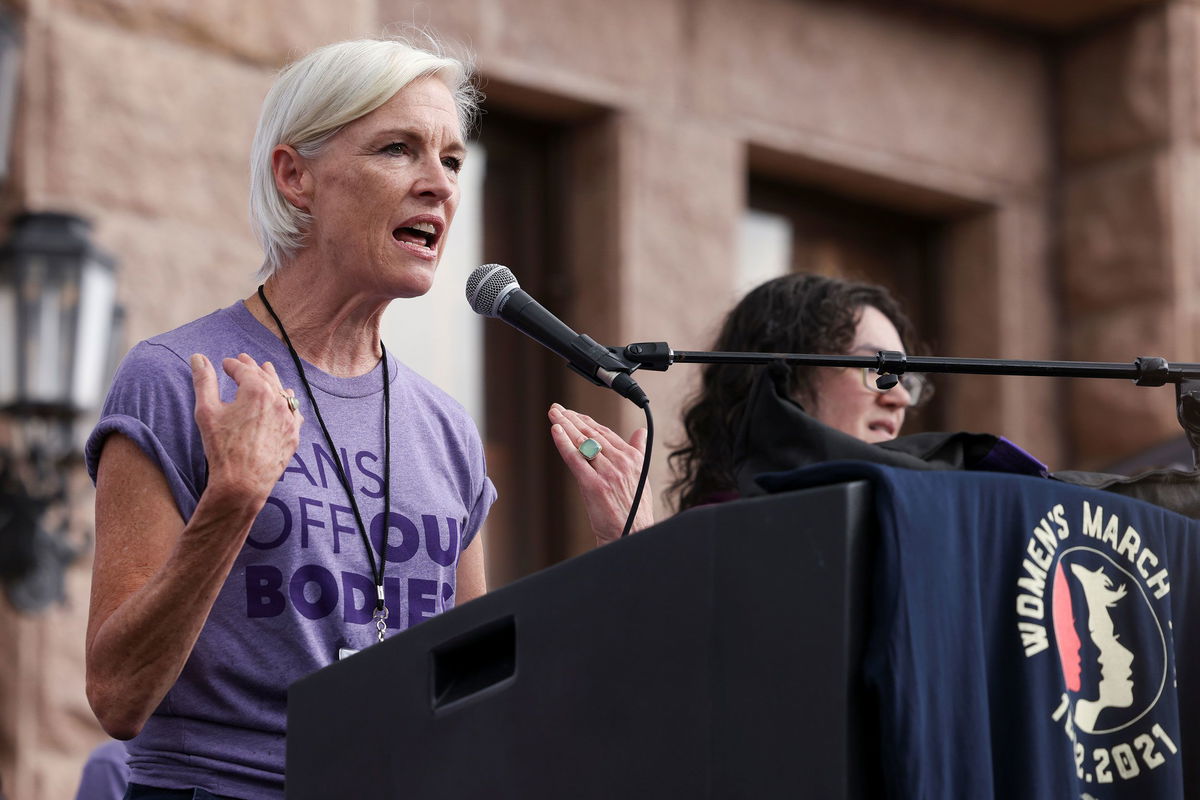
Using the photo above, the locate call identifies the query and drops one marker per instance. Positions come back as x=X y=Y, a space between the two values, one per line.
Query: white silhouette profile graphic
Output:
x=1115 y=688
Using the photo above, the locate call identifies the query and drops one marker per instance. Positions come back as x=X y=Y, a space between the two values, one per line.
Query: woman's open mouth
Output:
x=419 y=235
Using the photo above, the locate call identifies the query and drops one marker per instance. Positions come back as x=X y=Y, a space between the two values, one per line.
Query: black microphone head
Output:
x=488 y=287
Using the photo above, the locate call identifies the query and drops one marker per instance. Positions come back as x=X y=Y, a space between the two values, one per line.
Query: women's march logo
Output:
x=1102 y=617
x=1092 y=592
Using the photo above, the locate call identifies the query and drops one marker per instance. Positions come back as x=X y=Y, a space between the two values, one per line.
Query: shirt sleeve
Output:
x=152 y=402
x=483 y=504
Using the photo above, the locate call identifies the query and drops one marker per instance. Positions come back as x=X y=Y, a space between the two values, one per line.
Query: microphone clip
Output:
x=603 y=362
x=657 y=356
x=606 y=367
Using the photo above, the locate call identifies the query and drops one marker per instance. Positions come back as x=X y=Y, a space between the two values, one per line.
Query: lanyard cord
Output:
x=376 y=572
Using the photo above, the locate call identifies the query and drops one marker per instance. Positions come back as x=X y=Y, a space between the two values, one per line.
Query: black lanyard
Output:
x=381 y=612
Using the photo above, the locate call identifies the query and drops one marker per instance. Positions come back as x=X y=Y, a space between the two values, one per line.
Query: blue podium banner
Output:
x=1028 y=638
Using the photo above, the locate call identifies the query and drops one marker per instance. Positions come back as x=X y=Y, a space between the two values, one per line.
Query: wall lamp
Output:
x=58 y=329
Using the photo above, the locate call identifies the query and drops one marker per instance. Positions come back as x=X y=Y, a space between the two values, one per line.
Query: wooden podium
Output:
x=715 y=655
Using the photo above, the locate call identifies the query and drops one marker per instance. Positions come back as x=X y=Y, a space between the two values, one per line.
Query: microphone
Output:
x=493 y=292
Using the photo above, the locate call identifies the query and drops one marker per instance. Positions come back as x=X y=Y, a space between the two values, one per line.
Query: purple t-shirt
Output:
x=301 y=588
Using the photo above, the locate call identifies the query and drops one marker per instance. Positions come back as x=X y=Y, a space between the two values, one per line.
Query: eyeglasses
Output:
x=917 y=385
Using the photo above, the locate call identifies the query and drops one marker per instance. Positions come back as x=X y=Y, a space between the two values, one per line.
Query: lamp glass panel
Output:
x=42 y=341
x=9 y=339
x=97 y=293
x=51 y=299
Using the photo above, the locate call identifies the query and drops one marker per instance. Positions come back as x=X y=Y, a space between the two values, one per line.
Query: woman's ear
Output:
x=292 y=176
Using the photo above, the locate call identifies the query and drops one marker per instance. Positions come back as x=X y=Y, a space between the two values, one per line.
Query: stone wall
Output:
x=1059 y=169
x=1129 y=206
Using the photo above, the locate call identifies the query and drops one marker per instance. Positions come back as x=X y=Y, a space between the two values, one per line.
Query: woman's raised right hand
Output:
x=249 y=442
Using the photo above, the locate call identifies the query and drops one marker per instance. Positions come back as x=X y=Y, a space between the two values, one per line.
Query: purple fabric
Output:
x=1007 y=456
x=301 y=587
x=105 y=773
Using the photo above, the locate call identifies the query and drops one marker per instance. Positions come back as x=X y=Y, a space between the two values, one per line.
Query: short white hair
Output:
x=314 y=97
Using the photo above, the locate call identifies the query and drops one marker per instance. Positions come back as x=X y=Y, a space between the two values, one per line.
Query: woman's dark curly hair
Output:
x=797 y=313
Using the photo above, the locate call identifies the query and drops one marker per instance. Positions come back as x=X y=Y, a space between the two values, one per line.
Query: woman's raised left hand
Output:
x=609 y=481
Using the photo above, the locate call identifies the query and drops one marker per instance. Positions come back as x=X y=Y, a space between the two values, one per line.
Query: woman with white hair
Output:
x=274 y=489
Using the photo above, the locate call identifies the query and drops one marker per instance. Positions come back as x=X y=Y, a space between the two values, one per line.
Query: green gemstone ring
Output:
x=589 y=448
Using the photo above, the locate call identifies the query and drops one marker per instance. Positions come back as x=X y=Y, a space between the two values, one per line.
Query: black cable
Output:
x=637 y=496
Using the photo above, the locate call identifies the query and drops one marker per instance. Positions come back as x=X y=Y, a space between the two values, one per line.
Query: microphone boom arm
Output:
x=1143 y=371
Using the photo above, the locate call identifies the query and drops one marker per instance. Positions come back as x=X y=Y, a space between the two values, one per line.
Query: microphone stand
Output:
x=1144 y=371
